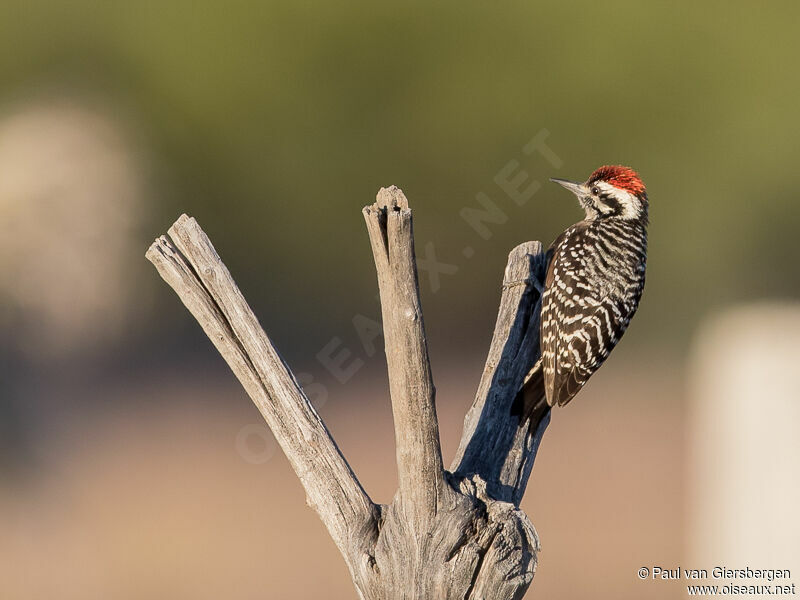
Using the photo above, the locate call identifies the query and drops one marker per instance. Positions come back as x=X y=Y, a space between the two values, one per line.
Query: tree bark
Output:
x=445 y=535
x=420 y=471
x=499 y=448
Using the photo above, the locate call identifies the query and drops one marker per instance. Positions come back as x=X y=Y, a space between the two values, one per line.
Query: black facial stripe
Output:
x=612 y=203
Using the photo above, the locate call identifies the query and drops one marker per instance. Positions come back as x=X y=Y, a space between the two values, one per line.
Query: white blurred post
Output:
x=744 y=441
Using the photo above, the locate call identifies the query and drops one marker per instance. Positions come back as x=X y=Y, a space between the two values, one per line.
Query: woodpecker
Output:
x=595 y=278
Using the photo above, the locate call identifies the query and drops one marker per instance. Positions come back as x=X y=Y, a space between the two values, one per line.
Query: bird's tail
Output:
x=530 y=403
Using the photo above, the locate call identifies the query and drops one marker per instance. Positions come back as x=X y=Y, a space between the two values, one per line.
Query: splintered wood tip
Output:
x=391 y=198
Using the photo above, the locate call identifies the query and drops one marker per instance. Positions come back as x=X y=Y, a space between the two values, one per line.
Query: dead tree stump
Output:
x=456 y=534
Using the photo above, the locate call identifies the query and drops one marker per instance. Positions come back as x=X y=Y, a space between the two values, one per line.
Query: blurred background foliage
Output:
x=273 y=123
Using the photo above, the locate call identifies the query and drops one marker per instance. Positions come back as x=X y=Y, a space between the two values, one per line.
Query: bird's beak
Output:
x=576 y=188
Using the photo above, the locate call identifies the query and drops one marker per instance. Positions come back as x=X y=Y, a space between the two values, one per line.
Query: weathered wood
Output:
x=495 y=443
x=419 y=457
x=444 y=536
x=191 y=266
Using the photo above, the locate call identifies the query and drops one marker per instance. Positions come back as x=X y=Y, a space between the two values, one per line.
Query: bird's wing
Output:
x=577 y=337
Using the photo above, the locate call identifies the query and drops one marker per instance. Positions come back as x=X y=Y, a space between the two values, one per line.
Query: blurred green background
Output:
x=273 y=123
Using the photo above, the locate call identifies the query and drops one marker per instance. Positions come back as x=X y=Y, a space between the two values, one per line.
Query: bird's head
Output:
x=611 y=192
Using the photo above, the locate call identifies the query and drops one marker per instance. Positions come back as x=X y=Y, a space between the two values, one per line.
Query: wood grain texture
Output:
x=496 y=444
x=191 y=266
x=419 y=455
x=445 y=535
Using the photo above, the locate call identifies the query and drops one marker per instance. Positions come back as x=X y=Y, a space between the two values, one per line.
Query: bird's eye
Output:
x=595 y=191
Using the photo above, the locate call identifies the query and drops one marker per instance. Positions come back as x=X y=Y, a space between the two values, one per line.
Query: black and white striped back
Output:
x=595 y=279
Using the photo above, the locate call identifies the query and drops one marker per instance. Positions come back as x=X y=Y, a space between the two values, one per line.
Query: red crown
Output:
x=624 y=178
